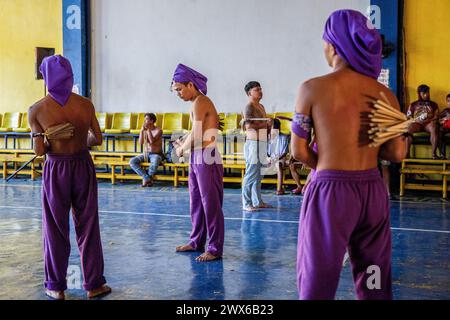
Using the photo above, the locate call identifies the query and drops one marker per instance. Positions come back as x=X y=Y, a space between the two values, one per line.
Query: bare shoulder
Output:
x=37 y=106
x=85 y=102
x=381 y=88
x=203 y=103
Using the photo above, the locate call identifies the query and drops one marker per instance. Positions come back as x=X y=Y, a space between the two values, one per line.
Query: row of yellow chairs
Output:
x=116 y=123
x=14 y=122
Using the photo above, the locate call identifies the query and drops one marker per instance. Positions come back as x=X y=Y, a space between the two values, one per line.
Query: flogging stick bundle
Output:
x=59 y=132
x=386 y=122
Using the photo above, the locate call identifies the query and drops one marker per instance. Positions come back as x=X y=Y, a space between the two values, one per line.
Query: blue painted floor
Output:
x=141 y=228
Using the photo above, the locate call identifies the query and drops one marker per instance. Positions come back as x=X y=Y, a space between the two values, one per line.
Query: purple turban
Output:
x=58 y=77
x=356 y=41
x=185 y=74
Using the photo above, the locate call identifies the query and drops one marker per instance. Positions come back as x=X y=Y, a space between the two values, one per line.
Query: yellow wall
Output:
x=427 y=42
x=24 y=25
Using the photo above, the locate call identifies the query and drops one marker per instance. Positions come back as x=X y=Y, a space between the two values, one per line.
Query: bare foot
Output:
x=55 y=295
x=102 y=291
x=205 y=257
x=250 y=209
x=185 y=248
x=265 y=206
x=147 y=183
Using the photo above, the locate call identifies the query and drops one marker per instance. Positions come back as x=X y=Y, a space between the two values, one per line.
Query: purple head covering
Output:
x=185 y=74
x=356 y=41
x=58 y=77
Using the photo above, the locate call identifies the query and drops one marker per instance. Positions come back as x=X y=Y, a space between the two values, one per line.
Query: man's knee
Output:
x=135 y=161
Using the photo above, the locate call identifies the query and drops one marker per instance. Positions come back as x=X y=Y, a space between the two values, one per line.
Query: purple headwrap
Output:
x=58 y=77
x=185 y=74
x=356 y=41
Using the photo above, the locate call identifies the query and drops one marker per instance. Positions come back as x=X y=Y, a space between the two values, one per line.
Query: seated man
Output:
x=278 y=152
x=151 y=137
x=425 y=113
x=444 y=124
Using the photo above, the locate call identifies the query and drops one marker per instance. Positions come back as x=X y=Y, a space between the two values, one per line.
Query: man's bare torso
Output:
x=254 y=111
x=156 y=146
x=210 y=122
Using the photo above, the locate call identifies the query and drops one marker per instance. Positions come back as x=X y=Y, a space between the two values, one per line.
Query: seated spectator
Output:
x=425 y=114
x=278 y=152
x=444 y=122
x=151 y=138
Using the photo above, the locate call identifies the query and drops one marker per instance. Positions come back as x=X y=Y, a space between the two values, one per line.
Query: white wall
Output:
x=138 y=43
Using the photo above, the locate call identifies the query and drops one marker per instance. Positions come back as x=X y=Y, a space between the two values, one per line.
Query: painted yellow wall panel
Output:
x=24 y=25
x=427 y=42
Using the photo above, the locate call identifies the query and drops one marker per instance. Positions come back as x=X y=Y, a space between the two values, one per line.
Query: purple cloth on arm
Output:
x=302 y=125
x=356 y=41
x=58 y=77
x=185 y=74
x=344 y=210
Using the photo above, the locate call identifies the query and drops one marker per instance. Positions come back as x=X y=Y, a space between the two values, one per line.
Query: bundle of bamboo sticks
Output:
x=386 y=122
x=57 y=132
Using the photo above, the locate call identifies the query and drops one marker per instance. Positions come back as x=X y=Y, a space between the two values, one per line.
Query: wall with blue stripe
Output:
x=385 y=16
x=75 y=15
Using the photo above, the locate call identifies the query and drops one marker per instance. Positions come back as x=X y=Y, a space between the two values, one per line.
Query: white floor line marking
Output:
x=235 y=219
x=185 y=191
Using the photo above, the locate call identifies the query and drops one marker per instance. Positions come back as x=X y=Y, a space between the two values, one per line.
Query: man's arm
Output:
x=95 y=137
x=436 y=113
x=40 y=148
x=394 y=150
x=301 y=150
x=142 y=135
x=154 y=138
x=410 y=111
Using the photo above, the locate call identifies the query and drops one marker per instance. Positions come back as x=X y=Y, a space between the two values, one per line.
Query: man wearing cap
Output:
x=346 y=203
x=425 y=114
x=68 y=181
x=205 y=170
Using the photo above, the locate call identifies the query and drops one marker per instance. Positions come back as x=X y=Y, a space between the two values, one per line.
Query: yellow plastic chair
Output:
x=10 y=121
x=231 y=123
x=159 y=119
x=285 y=124
x=24 y=126
x=174 y=122
x=139 y=122
x=121 y=123
x=103 y=120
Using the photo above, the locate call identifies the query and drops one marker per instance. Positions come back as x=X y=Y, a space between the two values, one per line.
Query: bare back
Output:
x=78 y=110
x=338 y=101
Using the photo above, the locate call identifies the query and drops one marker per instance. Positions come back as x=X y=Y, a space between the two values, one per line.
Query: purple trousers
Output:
x=206 y=199
x=69 y=181
x=344 y=210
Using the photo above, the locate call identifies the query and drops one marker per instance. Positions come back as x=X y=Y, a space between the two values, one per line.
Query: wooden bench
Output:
x=428 y=167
